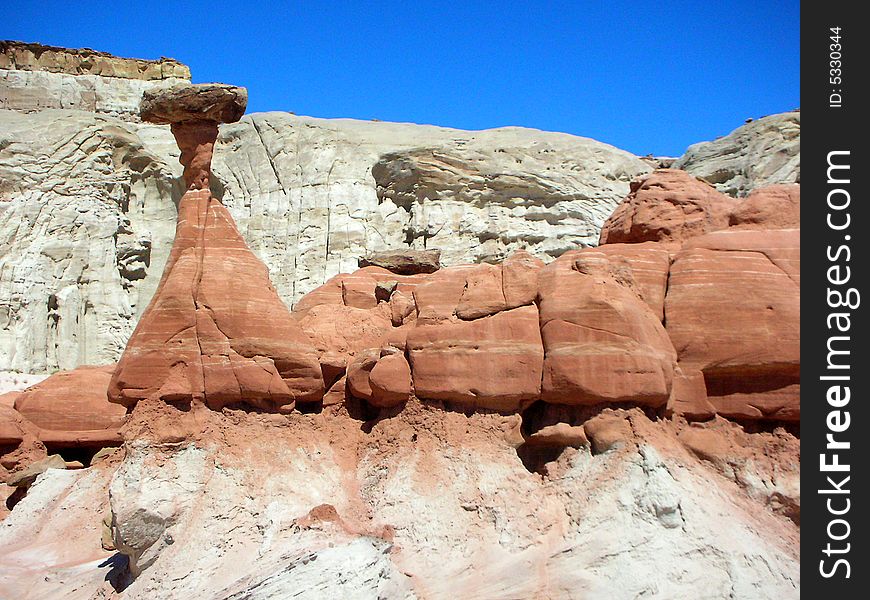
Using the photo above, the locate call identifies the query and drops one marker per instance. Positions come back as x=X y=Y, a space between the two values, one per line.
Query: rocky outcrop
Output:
x=702 y=322
x=668 y=206
x=772 y=207
x=761 y=153
x=34 y=77
x=216 y=331
x=401 y=424
x=84 y=61
x=602 y=343
x=732 y=291
x=733 y=313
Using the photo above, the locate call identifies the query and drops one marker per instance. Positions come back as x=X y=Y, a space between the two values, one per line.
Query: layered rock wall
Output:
x=34 y=77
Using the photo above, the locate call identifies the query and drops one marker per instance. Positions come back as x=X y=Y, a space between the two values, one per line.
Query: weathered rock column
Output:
x=216 y=331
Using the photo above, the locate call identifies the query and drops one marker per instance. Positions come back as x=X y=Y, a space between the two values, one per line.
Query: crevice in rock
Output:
x=310 y=408
x=80 y=454
x=768 y=426
x=536 y=458
x=16 y=497
x=361 y=410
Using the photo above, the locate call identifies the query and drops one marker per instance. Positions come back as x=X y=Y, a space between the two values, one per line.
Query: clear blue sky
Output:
x=645 y=76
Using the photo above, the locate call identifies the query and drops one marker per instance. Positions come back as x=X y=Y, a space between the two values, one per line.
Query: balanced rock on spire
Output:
x=194 y=112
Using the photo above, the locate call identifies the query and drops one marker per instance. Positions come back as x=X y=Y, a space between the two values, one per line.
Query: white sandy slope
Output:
x=427 y=505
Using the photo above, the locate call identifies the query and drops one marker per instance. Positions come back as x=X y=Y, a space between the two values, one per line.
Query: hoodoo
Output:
x=216 y=331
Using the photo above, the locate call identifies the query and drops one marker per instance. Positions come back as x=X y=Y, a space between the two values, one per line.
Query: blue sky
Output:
x=649 y=77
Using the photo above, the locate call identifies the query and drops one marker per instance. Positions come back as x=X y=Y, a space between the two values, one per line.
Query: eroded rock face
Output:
x=34 y=77
x=84 y=61
x=761 y=153
x=401 y=496
x=216 y=331
x=492 y=362
x=319 y=181
x=87 y=217
x=733 y=313
x=730 y=297
x=602 y=342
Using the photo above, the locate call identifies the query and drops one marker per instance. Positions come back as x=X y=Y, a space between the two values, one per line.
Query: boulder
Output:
x=608 y=430
x=216 y=102
x=26 y=476
x=771 y=207
x=390 y=381
x=602 y=343
x=667 y=206
x=72 y=408
x=359 y=373
x=405 y=261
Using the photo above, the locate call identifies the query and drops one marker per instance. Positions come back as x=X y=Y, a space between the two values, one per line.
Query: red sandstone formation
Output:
x=71 y=408
x=602 y=342
x=772 y=207
x=216 y=331
x=732 y=306
x=704 y=321
x=733 y=313
x=667 y=206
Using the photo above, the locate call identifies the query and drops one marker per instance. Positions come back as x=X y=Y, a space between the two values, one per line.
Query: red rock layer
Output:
x=704 y=321
x=732 y=303
x=602 y=343
x=216 y=330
